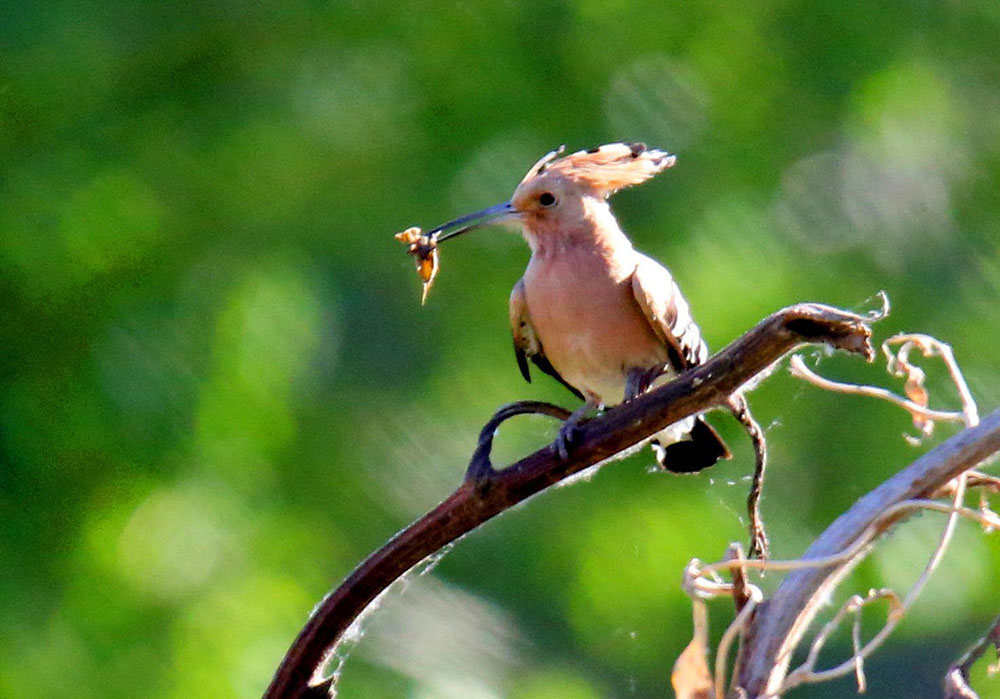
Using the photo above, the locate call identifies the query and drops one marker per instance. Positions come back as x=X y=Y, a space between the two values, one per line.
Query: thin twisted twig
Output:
x=759 y=544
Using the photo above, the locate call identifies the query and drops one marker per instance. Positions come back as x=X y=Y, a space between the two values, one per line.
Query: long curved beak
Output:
x=486 y=217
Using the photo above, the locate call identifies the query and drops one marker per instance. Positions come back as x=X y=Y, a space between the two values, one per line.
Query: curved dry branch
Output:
x=486 y=492
x=780 y=623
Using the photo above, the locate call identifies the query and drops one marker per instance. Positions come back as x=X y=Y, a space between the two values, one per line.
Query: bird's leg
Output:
x=568 y=430
x=634 y=384
x=639 y=380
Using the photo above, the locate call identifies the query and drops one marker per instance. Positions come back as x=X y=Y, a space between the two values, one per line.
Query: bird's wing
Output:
x=670 y=317
x=668 y=314
x=526 y=344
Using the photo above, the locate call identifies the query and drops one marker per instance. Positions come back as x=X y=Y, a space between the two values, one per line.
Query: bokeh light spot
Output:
x=268 y=334
x=111 y=221
x=177 y=539
x=355 y=101
x=887 y=186
x=658 y=99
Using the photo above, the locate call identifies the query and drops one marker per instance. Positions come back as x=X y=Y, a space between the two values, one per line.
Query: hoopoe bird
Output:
x=591 y=311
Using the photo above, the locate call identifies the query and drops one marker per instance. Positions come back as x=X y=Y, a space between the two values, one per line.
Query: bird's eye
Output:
x=547 y=199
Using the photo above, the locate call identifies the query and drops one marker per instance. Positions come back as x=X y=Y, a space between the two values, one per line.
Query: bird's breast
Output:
x=588 y=322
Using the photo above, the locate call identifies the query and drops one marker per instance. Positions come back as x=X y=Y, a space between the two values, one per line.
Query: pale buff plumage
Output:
x=601 y=317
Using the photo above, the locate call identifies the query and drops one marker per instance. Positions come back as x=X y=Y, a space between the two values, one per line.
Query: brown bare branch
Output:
x=486 y=492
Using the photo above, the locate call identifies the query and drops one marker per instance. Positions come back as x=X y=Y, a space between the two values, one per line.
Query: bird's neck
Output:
x=594 y=229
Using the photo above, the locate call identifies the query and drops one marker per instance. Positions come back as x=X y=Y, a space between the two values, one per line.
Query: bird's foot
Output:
x=569 y=431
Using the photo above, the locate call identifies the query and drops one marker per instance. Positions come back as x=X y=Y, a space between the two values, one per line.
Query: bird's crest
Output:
x=605 y=169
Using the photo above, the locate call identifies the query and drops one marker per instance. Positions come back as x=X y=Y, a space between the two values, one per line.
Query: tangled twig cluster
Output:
x=755 y=674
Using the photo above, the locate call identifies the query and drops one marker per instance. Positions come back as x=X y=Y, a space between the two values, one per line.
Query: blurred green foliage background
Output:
x=219 y=391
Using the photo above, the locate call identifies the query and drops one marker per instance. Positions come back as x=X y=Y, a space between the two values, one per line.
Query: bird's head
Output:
x=556 y=189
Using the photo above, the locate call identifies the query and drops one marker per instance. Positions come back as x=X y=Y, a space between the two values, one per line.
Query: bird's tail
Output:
x=698 y=450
